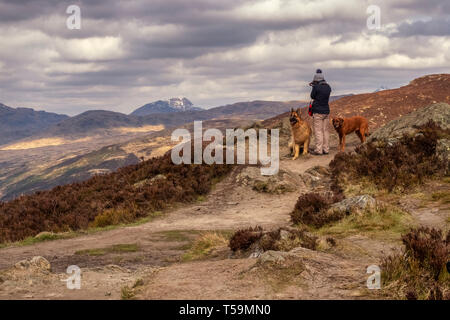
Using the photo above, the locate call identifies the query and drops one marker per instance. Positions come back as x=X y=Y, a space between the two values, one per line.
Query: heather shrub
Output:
x=108 y=199
x=393 y=166
x=419 y=271
x=312 y=209
x=244 y=238
x=428 y=247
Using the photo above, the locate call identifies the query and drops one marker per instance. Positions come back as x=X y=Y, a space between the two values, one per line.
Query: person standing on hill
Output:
x=320 y=93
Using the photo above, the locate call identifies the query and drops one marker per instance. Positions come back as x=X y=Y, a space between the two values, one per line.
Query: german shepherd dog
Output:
x=300 y=134
x=357 y=124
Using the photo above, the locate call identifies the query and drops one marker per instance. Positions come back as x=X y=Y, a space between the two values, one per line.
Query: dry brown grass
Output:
x=204 y=245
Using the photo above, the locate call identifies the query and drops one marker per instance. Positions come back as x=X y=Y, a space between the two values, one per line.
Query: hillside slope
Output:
x=384 y=106
x=18 y=123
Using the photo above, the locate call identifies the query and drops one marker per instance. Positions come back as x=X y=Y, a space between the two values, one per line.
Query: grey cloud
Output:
x=428 y=7
x=185 y=60
x=433 y=27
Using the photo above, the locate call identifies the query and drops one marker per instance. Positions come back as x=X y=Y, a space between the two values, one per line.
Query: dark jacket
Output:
x=321 y=95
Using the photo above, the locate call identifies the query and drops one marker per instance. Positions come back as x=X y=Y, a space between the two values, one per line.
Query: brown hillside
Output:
x=384 y=106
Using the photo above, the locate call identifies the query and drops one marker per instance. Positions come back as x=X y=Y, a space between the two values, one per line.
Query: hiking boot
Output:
x=314 y=153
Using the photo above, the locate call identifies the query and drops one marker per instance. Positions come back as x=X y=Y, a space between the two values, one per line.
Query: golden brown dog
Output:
x=300 y=134
x=357 y=124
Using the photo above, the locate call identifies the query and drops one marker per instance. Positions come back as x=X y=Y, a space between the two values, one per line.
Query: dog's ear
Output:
x=292 y=109
x=299 y=112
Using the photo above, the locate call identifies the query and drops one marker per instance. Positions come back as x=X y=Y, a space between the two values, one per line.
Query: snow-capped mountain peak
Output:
x=182 y=104
x=166 y=106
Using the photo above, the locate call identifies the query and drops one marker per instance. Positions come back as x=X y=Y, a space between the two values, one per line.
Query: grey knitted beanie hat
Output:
x=318 y=76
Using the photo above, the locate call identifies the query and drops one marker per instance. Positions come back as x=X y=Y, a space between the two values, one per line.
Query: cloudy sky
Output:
x=128 y=53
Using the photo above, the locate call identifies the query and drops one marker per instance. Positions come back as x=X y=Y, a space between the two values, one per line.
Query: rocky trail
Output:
x=146 y=257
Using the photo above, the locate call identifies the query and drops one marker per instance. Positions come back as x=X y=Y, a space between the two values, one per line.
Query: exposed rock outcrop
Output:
x=355 y=205
x=439 y=113
x=409 y=125
x=276 y=257
x=35 y=264
x=283 y=181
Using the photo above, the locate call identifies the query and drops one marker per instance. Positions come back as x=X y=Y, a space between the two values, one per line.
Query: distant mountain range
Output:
x=171 y=105
x=174 y=112
x=22 y=125
x=19 y=123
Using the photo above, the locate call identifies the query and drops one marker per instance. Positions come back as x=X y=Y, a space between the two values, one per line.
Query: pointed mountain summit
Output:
x=160 y=106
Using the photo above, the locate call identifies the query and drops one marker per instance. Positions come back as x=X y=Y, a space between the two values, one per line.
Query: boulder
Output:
x=354 y=205
x=439 y=113
x=282 y=182
x=38 y=263
x=277 y=257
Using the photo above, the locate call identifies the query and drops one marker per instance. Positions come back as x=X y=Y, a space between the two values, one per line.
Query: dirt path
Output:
x=321 y=276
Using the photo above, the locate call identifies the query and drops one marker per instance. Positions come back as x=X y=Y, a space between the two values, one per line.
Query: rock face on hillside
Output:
x=439 y=113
